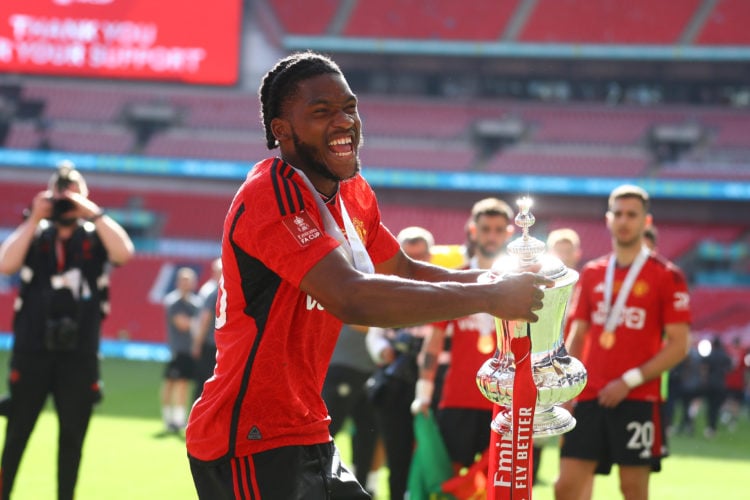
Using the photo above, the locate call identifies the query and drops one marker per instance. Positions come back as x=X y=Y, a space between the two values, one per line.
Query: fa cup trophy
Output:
x=557 y=376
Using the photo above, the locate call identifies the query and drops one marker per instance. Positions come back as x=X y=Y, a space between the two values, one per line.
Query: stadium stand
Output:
x=429 y=118
x=576 y=138
x=186 y=143
x=16 y=199
x=135 y=314
x=440 y=19
x=711 y=167
x=676 y=239
x=104 y=103
x=111 y=139
x=419 y=155
x=727 y=24
x=226 y=126
x=87 y=102
x=588 y=127
x=575 y=162
x=299 y=17
x=732 y=129
x=541 y=21
x=137 y=293
x=446 y=224
x=198 y=216
x=720 y=310
x=608 y=21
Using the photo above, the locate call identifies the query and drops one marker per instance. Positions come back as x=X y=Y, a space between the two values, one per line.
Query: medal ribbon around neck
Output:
x=614 y=312
x=485 y=340
x=351 y=243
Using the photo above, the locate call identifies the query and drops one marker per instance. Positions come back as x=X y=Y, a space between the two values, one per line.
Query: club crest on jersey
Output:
x=640 y=288
x=302 y=227
x=360 y=227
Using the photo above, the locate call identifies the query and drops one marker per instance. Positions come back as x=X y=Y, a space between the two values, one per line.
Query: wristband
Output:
x=96 y=216
x=422 y=395
x=633 y=377
x=424 y=389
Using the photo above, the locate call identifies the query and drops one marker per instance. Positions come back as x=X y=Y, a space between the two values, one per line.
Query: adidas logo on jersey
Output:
x=254 y=434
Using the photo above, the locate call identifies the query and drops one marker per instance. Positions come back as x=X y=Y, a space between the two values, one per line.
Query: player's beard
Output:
x=628 y=242
x=307 y=154
x=488 y=253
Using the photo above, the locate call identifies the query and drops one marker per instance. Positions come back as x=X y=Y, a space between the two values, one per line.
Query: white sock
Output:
x=166 y=415
x=373 y=477
x=179 y=416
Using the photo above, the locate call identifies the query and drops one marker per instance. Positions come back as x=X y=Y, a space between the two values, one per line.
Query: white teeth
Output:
x=343 y=140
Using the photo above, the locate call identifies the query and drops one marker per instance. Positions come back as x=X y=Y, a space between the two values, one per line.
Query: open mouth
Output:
x=342 y=146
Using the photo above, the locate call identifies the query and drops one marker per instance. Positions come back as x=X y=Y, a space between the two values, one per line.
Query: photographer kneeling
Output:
x=62 y=252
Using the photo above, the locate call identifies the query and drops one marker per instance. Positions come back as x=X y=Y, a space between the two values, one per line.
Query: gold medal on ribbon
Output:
x=607 y=339
x=485 y=345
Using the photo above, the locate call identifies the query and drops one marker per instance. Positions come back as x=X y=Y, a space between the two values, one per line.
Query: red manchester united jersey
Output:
x=658 y=297
x=473 y=341
x=273 y=341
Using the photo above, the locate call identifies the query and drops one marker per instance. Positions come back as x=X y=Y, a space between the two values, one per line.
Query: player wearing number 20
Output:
x=631 y=319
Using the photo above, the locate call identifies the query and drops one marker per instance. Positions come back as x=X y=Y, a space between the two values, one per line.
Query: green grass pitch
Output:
x=125 y=457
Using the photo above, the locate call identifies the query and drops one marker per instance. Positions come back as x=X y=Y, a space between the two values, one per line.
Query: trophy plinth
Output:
x=558 y=376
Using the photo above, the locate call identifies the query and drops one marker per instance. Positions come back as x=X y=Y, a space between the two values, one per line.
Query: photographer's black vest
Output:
x=40 y=302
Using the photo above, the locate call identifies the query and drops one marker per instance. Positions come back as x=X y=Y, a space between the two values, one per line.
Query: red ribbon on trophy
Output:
x=511 y=458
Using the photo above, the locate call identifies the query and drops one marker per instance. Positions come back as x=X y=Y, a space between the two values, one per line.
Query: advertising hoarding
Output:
x=168 y=40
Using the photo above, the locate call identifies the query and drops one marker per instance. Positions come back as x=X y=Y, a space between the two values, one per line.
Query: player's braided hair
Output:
x=281 y=82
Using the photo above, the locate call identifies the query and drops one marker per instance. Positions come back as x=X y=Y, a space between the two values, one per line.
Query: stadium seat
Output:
x=727 y=24
x=608 y=21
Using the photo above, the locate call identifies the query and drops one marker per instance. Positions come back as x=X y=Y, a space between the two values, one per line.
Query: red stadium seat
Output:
x=436 y=20
x=727 y=24
x=608 y=21
x=301 y=17
x=720 y=311
x=577 y=162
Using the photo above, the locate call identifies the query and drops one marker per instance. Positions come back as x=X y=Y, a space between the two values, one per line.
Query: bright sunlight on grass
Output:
x=126 y=458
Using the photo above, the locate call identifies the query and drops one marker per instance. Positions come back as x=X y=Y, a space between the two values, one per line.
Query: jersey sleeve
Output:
x=277 y=222
x=580 y=304
x=676 y=297
x=384 y=245
x=443 y=325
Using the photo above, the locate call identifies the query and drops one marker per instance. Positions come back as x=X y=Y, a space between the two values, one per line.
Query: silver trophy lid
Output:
x=527 y=251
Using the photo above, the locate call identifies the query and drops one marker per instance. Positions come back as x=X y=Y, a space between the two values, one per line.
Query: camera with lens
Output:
x=61 y=206
x=61 y=334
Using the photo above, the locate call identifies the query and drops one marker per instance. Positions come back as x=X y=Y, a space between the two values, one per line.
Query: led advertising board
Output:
x=168 y=40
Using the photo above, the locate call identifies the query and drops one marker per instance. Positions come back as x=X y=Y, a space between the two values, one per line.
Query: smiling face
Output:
x=319 y=130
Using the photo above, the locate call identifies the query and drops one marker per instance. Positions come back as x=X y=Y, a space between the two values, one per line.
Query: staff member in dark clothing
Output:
x=62 y=251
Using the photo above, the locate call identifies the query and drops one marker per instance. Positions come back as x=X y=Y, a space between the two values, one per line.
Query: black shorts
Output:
x=312 y=472
x=736 y=395
x=629 y=434
x=181 y=366
x=466 y=433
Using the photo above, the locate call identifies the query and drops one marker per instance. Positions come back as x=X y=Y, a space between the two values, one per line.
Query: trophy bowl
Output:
x=557 y=376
